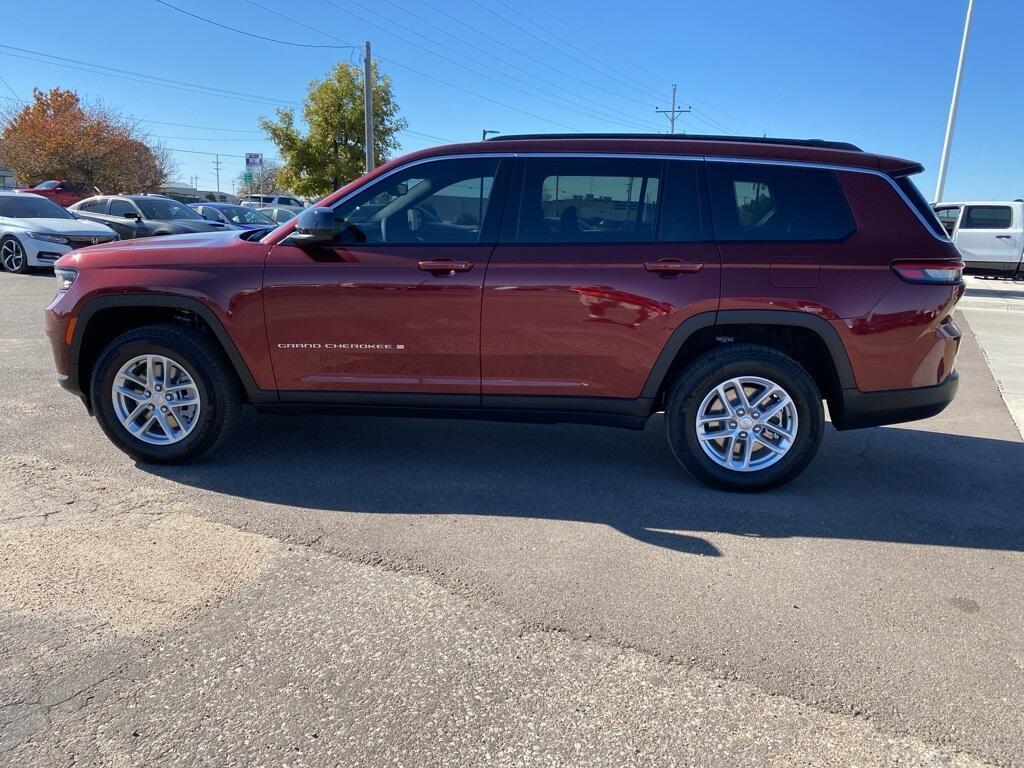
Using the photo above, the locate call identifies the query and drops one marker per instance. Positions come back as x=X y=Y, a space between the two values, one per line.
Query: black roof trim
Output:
x=819 y=143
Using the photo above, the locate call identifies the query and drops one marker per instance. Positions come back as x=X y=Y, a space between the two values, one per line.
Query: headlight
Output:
x=48 y=237
x=65 y=278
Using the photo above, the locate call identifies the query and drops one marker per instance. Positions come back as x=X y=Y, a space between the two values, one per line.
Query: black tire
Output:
x=10 y=241
x=214 y=378
x=712 y=369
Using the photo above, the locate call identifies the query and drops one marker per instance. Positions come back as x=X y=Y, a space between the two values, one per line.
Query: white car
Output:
x=287 y=202
x=35 y=232
x=989 y=235
x=278 y=214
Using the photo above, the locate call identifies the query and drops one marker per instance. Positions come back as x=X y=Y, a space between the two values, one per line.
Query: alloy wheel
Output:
x=12 y=255
x=747 y=423
x=156 y=399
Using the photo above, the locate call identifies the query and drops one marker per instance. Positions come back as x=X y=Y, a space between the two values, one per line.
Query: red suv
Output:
x=733 y=284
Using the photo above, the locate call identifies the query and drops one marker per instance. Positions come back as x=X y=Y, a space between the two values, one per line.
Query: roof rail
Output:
x=819 y=143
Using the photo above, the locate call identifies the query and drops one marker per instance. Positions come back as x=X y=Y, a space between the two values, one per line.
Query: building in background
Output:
x=7 y=179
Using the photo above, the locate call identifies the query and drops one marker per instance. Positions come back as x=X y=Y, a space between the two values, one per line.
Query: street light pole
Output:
x=954 y=105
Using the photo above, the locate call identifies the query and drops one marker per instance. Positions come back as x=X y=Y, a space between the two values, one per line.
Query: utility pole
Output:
x=216 y=167
x=368 y=106
x=673 y=113
x=954 y=105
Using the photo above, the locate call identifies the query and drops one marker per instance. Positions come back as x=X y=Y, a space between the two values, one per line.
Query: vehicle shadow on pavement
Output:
x=893 y=484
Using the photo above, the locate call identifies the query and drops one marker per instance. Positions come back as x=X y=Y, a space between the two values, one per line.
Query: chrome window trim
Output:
x=649 y=156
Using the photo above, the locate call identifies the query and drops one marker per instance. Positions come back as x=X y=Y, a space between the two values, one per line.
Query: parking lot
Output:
x=415 y=592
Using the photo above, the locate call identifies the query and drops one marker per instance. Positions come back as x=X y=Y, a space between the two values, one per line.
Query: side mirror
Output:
x=315 y=227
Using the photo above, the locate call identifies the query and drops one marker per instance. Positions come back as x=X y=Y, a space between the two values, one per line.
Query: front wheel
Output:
x=744 y=418
x=12 y=255
x=164 y=394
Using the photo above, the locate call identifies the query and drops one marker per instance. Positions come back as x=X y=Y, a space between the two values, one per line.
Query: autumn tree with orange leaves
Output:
x=58 y=136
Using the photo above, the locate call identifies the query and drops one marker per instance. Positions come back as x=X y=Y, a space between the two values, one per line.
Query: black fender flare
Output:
x=129 y=301
x=779 y=317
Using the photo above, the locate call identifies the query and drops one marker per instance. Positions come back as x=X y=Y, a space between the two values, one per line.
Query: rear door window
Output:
x=588 y=200
x=753 y=202
x=987 y=217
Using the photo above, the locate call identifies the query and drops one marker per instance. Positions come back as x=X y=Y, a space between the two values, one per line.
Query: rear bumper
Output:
x=873 y=409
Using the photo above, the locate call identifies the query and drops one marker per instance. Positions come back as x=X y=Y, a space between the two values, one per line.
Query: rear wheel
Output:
x=745 y=418
x=12 y=255
x=164 y=394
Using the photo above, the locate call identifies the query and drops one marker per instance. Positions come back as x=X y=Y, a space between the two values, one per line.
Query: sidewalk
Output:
x=995 y=311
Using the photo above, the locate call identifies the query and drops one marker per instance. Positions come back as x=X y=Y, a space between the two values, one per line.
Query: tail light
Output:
x=930 y=272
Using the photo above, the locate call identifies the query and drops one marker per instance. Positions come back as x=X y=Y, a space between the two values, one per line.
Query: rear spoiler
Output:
x=905 y=170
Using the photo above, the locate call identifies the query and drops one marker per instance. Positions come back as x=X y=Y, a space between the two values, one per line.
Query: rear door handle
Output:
x=445 y=266
x=1002 y=237
x=672 y=266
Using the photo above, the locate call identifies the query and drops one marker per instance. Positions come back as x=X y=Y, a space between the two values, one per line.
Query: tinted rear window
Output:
x=752 y=202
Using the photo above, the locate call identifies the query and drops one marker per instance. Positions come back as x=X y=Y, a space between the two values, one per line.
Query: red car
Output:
x=733 y=284
x=63 y=193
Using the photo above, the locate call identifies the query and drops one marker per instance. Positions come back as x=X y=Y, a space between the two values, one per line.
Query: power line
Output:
x=247 y=34
x=415 y=71
x=124 y=74
x=575 y=47
x=200 y=127
x=449 y=59
x=9 y=88
x=597 y=108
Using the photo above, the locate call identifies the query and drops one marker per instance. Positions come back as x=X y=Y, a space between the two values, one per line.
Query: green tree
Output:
x=332 y=152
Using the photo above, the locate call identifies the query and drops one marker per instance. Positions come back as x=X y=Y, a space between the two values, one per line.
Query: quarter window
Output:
x=588 y=200
x=947 y=217
x=987 y=217
x=751 y=202
x=96 y=205
x=439 y=203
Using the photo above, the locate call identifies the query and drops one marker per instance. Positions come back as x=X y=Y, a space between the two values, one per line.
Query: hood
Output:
x=82 y=227
x=171 y=251
x=200 y=225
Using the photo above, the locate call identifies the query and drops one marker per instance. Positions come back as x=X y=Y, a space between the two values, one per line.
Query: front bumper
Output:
x=42 y=253
x=873 y=409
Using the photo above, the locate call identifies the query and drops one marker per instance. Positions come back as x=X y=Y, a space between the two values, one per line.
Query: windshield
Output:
x=46 y=185
x=163 y=209
x=236 y=214
x=31 y=208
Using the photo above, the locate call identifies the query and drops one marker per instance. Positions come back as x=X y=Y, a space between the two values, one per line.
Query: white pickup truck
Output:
x=989 y=235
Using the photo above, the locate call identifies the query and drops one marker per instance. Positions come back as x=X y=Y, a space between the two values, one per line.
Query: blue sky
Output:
x=877 y=72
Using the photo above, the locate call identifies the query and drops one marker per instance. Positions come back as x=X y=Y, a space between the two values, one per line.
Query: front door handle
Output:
x=445 y=266
x=672 y=267
x=1002 y=237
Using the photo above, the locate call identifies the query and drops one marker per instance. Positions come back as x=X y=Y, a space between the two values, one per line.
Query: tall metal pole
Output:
x=368 y=106
x=216 y=165
x=954 y=105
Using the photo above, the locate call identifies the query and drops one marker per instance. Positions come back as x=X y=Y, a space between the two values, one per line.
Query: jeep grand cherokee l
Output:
x=735 y=285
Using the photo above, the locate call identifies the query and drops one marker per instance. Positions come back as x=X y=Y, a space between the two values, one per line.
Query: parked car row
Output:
x=35 y=230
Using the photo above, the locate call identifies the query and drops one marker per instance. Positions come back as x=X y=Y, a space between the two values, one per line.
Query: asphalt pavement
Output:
x=346 y=591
